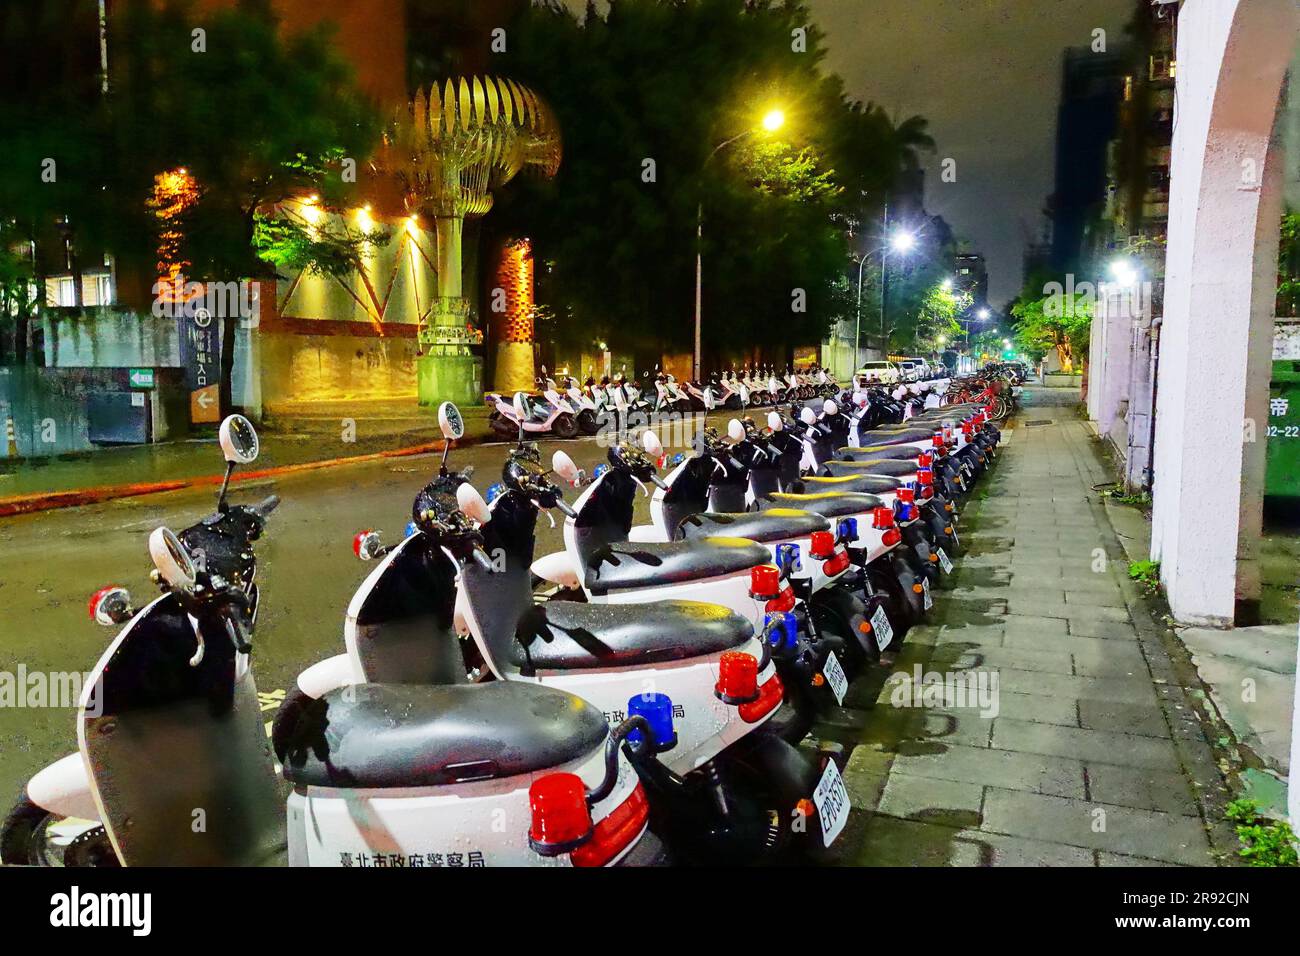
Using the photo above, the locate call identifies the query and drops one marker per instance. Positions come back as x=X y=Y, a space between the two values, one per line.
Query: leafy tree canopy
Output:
x=646 y=91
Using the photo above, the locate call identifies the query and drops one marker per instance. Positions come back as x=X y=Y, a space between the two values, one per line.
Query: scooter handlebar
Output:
x=267 y=505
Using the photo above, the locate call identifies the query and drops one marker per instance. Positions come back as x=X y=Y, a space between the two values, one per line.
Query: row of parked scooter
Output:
x=642 y=696
x=564 y=408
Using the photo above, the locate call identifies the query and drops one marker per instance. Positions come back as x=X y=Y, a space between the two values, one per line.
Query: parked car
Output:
x=885 y=373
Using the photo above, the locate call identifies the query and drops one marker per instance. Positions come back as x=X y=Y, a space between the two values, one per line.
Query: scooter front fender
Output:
x=327 y=675
x=557 y=568
x=64 y=788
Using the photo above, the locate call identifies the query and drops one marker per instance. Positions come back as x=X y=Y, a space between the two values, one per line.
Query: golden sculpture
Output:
x=448 y=150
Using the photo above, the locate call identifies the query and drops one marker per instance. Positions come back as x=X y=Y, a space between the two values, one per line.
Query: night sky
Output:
x=986 y=73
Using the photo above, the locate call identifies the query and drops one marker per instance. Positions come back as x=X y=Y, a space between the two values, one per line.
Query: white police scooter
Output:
x=174 y=766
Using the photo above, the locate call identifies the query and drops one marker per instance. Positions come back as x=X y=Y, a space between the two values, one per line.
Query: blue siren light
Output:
x=784 y=628
x=787 y=558
x=657 y=709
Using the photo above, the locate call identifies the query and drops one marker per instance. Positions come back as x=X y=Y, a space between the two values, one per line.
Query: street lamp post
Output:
x=773 y=120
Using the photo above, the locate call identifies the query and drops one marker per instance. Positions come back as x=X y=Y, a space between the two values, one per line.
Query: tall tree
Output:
x=646 y=92
x=255 y=115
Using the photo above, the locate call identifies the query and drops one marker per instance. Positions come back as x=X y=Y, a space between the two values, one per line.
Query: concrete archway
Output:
x=1221 y=270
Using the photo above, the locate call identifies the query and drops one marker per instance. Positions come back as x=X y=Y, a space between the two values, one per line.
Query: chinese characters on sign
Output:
x=200 y=352
x=474 y=858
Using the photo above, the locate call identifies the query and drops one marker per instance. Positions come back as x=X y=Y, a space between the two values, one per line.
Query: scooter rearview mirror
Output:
x=564 y=466
x=238 y=439
x=735 y=430
x=450 y=421
x=808 y=416
x=521 y=410
x=472 y=504
x=652 y=445
x=830 y=407
x=774 y=422
x=172 y=560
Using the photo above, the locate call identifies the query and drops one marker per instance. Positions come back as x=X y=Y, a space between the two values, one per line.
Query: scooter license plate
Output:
x=945 y=562
x=832 y=801
x=884 y=631
x=834 y=674
x=927 y=601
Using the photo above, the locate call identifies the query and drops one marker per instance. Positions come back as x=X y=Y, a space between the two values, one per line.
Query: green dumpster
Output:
x=1282 y=473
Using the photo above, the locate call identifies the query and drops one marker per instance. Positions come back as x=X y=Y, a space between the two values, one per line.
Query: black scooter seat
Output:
x=899 y=436
x=890 y=467
x=572 y=635
x=870 y=484
x=778 y=524
x=878 y=453
x=830 y=504
x=645 y=564
x=414 y=735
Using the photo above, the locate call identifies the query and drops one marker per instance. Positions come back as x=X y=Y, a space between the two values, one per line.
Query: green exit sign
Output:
x=141 y=377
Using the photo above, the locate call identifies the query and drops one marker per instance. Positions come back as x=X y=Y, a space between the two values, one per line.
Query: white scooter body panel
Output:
x=485 y=823
x=706 y=724
x=64 y=788
x=327 y=675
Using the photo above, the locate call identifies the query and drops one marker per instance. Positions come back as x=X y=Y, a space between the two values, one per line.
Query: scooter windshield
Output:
x=403 y=618
x=168 y=737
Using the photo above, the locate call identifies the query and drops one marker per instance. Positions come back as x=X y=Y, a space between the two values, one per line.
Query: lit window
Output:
x=65 y=291
x=104 y=289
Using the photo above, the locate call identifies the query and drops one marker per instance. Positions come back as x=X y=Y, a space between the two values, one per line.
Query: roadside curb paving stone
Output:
x=1095 y=755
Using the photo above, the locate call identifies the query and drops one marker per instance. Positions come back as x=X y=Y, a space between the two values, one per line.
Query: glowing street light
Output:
x=773 y=120
x=984 y=314
x=1125 y=272
x=903 y=241
x=947 y=285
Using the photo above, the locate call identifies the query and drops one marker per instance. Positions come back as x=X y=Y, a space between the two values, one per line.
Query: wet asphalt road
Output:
x=51 y=562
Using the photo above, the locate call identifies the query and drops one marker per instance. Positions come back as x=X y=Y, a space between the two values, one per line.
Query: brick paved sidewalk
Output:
x=1094 y=755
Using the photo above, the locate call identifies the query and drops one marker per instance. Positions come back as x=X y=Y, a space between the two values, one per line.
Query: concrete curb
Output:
x=76 y=497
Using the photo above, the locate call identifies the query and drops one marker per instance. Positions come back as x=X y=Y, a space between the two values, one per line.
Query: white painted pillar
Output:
x=1232 y=57
x=1293 y=784
x=1096 y=368
x=1114 y=318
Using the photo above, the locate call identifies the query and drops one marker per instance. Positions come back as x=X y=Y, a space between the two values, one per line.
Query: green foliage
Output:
x=1057 y=321
x=255 y=116
x=1146 y=573
x=1288 y=262
x=937 y=319
x=644 y=91
x=259 y=117
x=331 y=248
x=1141 y=500
x=1264 y=842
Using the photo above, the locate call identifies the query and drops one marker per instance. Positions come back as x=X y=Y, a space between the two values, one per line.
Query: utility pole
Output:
x=884 y=284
